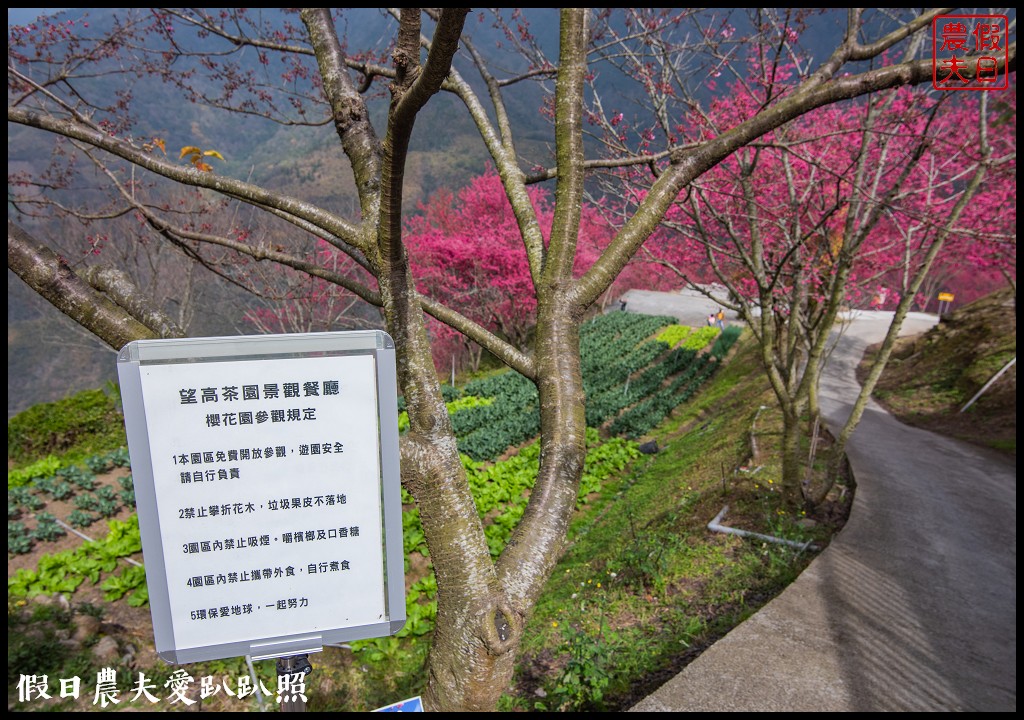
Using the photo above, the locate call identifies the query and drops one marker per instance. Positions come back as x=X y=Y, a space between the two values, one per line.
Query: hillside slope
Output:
x=933 y=375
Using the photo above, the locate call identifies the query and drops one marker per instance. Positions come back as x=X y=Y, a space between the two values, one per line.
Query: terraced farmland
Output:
x=636 y=370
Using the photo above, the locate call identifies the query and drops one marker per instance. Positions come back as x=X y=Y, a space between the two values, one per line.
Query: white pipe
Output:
x=89 y=539
x=716 y=526
x=753 y=438
x=995 y=377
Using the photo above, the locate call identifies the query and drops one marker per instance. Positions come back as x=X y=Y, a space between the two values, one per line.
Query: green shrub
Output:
x=37 y=644
x=87 y=502
x=46 y=528
x=23 y=497
x=107 y=502
x=455 y=405
x=700 y=338
x=82 y=519
x=19 y=539
x=82 y=479
x=127 y=493
x=673 y=334
x=62 y=490
x=726 y=340
x=84 y=424
x=39 y=469
x=99 y=464
x=120 y=457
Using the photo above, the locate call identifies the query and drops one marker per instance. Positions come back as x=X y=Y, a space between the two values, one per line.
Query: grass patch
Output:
x=82 y=425
x=641 y=590
x=931 y=376
x=1009 y=446
x=51 y=639
x=644 y=585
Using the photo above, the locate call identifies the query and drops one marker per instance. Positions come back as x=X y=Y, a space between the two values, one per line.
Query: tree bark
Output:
x=117 y=286
x=49 y=275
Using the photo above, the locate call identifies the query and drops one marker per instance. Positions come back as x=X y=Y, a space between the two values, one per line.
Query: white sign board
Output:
x=267 y=482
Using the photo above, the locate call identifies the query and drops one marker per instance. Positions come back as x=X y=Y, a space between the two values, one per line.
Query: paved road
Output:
x=691 y=307
x=911 y=607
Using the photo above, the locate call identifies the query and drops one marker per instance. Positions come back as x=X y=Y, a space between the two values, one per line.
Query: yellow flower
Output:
x=599 y=584
x=554 y=623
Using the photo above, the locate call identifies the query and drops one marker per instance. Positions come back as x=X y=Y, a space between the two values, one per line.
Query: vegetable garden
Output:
x=637 y=369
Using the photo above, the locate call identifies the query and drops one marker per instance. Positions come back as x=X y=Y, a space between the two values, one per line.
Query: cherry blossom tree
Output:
x=467 y=252
x=306 y=77
x=847 y=207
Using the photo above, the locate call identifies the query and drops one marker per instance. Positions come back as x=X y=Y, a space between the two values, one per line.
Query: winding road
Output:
x=912 y=607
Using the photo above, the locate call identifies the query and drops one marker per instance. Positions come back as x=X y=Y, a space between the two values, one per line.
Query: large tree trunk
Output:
x=792 y=458
x=473 y=649
x=471 y=656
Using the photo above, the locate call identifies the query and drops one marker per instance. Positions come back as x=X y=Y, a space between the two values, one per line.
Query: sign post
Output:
x=945 y=298
x=267 y=482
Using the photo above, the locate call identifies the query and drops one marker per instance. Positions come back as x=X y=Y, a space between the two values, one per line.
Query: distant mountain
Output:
x=48 y=355
x=308 y=163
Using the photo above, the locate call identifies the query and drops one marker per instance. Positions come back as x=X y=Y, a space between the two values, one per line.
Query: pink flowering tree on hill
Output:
x=850 y=206
x=467 y=252
x=307 y=78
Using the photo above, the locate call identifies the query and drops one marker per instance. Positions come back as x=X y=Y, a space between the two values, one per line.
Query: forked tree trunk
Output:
x=792 y=458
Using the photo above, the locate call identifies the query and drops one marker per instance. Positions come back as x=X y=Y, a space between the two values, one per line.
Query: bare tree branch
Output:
x=46 y=273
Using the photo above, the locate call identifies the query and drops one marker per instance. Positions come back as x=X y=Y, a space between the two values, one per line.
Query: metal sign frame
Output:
x=339 y=388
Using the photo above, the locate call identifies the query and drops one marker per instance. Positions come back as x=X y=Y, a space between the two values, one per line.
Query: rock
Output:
x=106 y=652
x=87 y=627
x=112 y=628
x=35 y=635
x=649 y=448
x=129 y=655
x=56 y=599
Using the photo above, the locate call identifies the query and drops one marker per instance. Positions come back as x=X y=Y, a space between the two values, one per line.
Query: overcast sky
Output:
x=23 y=16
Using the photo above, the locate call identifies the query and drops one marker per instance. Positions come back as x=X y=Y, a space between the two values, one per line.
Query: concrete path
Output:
x=912 y=607
x=690 y=307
